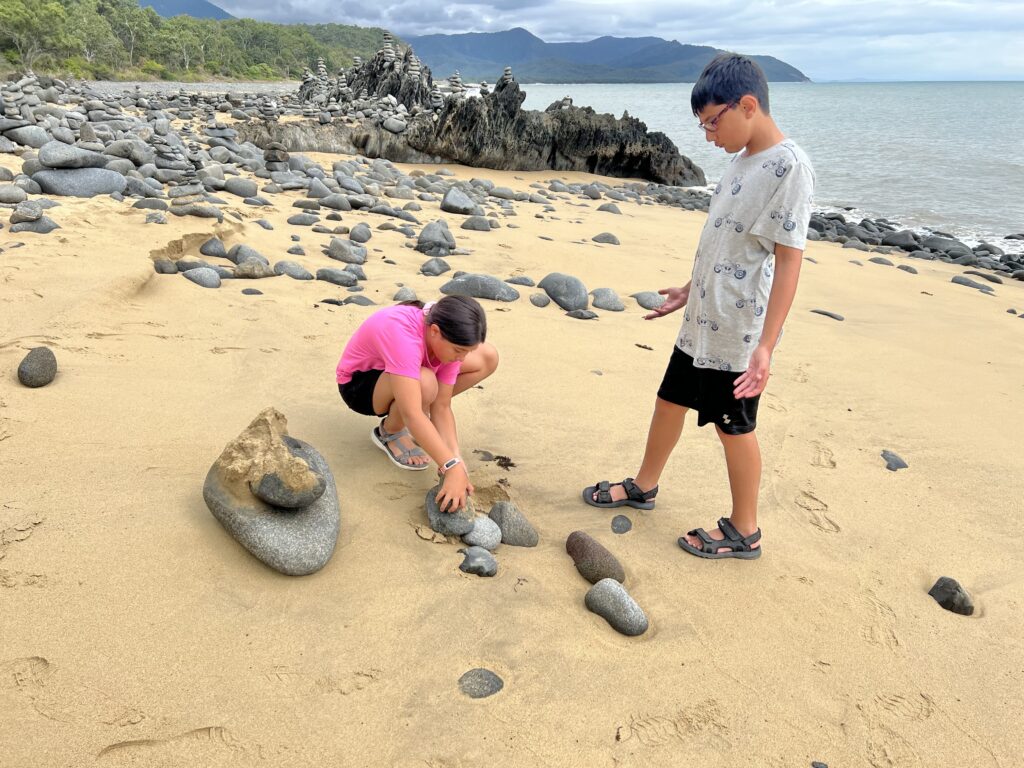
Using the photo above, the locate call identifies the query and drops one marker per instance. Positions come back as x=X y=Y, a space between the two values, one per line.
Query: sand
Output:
x=136 y=632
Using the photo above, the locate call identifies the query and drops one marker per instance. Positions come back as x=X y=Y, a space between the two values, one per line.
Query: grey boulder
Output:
x=516 y=530
x=565 y=290
x=610 y=600
x=480 y=287
x=80 y=182
x=454 y=523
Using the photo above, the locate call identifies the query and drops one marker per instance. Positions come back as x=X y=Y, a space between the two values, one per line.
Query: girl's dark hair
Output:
x=726 y=79
x=460 y=319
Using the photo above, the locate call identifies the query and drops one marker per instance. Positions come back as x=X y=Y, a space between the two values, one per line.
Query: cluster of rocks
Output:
x=276 y=496
x=888 y=238
x=607 y=597
x=482 y=534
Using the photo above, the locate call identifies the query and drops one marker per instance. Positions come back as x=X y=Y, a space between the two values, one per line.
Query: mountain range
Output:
x=199 y=9
x=484 y=55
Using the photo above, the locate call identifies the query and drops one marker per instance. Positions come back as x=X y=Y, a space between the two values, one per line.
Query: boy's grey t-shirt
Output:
x=762 y=200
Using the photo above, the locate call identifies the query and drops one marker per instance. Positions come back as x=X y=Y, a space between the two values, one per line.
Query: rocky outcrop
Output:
x=494 y=131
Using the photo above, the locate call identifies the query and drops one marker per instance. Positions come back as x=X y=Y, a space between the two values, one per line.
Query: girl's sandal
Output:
x=383 y=439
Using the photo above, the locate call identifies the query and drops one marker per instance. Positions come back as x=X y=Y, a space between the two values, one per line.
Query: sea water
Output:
x=930 y=156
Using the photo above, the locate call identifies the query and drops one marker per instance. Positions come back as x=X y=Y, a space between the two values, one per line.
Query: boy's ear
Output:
x=749 y=104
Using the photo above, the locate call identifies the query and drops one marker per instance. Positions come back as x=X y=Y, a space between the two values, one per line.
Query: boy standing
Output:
x=744 y=278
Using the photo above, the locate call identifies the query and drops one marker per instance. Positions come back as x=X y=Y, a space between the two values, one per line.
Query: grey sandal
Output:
x=383 y=439
x=738 y=545
x=634 y=496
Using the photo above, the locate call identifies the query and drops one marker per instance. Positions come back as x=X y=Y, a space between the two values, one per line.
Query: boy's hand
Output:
x=752 y=381
x=676 y=299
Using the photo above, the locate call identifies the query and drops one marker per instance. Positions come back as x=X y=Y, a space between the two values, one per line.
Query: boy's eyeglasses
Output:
x=712 y=125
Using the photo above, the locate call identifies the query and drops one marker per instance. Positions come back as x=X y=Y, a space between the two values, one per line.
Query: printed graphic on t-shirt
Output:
x=762 y=201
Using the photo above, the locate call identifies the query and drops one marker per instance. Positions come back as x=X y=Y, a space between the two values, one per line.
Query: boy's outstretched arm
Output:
x=787 y=272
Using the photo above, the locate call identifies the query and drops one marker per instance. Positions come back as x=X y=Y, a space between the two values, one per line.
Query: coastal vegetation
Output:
x=119 y=40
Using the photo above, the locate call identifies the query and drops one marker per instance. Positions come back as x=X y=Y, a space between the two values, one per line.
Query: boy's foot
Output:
x=740 y=543
x=627 y=493
x=400 y=447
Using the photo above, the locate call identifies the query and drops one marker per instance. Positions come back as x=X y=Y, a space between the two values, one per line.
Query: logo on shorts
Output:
x=725 y=418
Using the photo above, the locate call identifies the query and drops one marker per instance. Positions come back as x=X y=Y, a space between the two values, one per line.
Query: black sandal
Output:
x=738 y=545
x=634 y=496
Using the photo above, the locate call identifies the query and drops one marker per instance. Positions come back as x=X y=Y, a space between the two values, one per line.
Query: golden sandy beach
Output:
x=136 y=632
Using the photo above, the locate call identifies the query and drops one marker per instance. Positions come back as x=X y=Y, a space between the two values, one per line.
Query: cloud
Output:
x=827 y=39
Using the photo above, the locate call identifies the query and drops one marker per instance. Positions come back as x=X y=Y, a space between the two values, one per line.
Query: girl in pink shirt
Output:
x=404 y=364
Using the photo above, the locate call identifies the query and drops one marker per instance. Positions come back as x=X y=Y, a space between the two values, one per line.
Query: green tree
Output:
x=35 y=29
x=177 y=42
x=90 y=34
x=134 y=26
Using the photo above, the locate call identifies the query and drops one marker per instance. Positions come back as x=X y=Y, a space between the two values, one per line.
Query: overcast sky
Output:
x=826 y=39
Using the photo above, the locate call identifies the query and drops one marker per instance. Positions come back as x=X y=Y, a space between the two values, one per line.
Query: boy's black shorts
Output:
x=358 y=393
x=709 y=392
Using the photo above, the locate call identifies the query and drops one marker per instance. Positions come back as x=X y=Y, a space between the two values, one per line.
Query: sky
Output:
x=825 y=39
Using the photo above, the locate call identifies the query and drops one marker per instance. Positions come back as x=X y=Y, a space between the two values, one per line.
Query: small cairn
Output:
x=455 y=84
x=483 y=88
x=506 y=76
x=276 y=157
x=436 y=99
x=388 y=49
x=268 y=110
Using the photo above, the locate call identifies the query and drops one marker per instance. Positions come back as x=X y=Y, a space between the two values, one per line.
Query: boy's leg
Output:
x=666 y=427
x=478 y=365
x=743 y=460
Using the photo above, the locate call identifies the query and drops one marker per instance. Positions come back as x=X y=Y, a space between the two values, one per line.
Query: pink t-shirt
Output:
x=393 y=340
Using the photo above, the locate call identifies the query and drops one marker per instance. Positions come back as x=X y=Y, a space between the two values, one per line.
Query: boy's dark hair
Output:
x=460 y=319
x=726 y=79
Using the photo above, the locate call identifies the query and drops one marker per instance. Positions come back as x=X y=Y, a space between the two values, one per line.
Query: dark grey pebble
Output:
x=621 y=524
x=477 y=224
x=297 y=250
x=38 y=368
x=607 y=238
x=213 y=247
x=966 y=281
x=478 y=561
x=907 y=268
x=545 y=237
x=252 y=292
x=880 y=260
x=362 y=301
x=204 y=276
x=819 y=764
x=950 y=595
x=520 y=280
x=610 y=208
x=480 y=683
x=826 y=313
x=480 y=287
x=434 y=267
x=650 y=300
x=893 y=462
x=582 y=314
x=303 y=219
x=265 y=224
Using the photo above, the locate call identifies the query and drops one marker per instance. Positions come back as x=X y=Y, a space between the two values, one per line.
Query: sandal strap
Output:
x=604 y=494
x=736 y=540
x=389 y=437
x=634 y=493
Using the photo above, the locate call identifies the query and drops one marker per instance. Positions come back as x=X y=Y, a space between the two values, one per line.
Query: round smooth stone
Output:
x=621 y=524
x=480 y=683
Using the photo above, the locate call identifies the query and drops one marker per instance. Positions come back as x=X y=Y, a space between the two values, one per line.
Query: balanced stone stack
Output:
x=436 y=99
x=268 y=110
x=388 y=49
x=483 y=88
x=506 y=76
x=28 y=217
x=455 y=85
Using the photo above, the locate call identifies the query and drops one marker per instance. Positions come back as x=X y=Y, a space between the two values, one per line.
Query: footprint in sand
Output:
x=881 y=631
x=909 y=706
x=60 y=700
x=703 y=720
x=816 y=509
x=213 y=745
x=823 y=456
x=885 y=748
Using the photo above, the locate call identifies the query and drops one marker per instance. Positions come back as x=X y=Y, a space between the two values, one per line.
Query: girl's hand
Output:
x=455 y=489
x=676 y=299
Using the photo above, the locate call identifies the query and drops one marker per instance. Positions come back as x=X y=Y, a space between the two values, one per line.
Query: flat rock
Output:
x=950 y=595
x=38 y=368
x=341 y=277
x=480 y=287
x=607 y=238
x=880 y=260
x=516 y=530
x=293 y=269
x=477 y=224
x=582 y=314
x=621 y=524
x=457 y=201
x=57 y=154
x=296 y=541
x=826 y=313
x=478 y=561
x=610 y=600
x=241 y=187
x=592 y=560
x=454 y=523
x=893 y=462
x=434 y=267
x=480 y=683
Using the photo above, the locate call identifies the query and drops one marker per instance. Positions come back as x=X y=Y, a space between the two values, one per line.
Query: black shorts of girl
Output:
x=358 y=392
x=710 y=393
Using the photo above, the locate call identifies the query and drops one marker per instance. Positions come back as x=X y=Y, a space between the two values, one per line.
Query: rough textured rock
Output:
x=950 y=595
x=455 y=523
x=495 y=132
x=649 y=300
x=610 y=600
x=293 y=541
x=480 y=683
x=38 y=368
x=436 y=239
x=607 y=299
x=207 y=277
x=486 y=533
x=516 y=530
x=892 y=461
x=457 y=201
x=478 y=561
x=592 y=560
